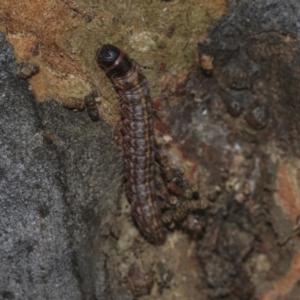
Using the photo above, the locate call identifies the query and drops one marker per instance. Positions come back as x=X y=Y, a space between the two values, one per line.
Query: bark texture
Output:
x=65 y=226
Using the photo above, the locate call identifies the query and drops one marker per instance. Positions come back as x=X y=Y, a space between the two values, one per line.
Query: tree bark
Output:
x=232 y=126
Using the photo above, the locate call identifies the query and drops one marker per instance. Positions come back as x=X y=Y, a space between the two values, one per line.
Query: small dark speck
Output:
x=8 y=295
x=43 y=211
x=195 y=195
x=29 y=249
x=89 y=17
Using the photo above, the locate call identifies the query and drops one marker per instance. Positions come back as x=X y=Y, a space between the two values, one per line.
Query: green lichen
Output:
x=144 y=30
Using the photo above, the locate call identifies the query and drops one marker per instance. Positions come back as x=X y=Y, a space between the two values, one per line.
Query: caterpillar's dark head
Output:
x=113 y=60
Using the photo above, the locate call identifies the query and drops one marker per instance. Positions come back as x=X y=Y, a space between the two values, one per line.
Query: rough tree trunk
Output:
x=232 y=126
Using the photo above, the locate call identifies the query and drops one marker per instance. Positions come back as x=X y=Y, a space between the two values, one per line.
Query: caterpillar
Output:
x=137 y=139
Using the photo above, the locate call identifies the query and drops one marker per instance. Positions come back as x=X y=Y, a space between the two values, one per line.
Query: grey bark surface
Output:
x=56 y=190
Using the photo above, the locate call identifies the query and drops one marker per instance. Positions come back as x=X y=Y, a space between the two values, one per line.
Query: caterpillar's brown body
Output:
x=138 y=139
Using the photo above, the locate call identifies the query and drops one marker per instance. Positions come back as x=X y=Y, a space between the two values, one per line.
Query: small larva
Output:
x=138 y=139
x=91 y=106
